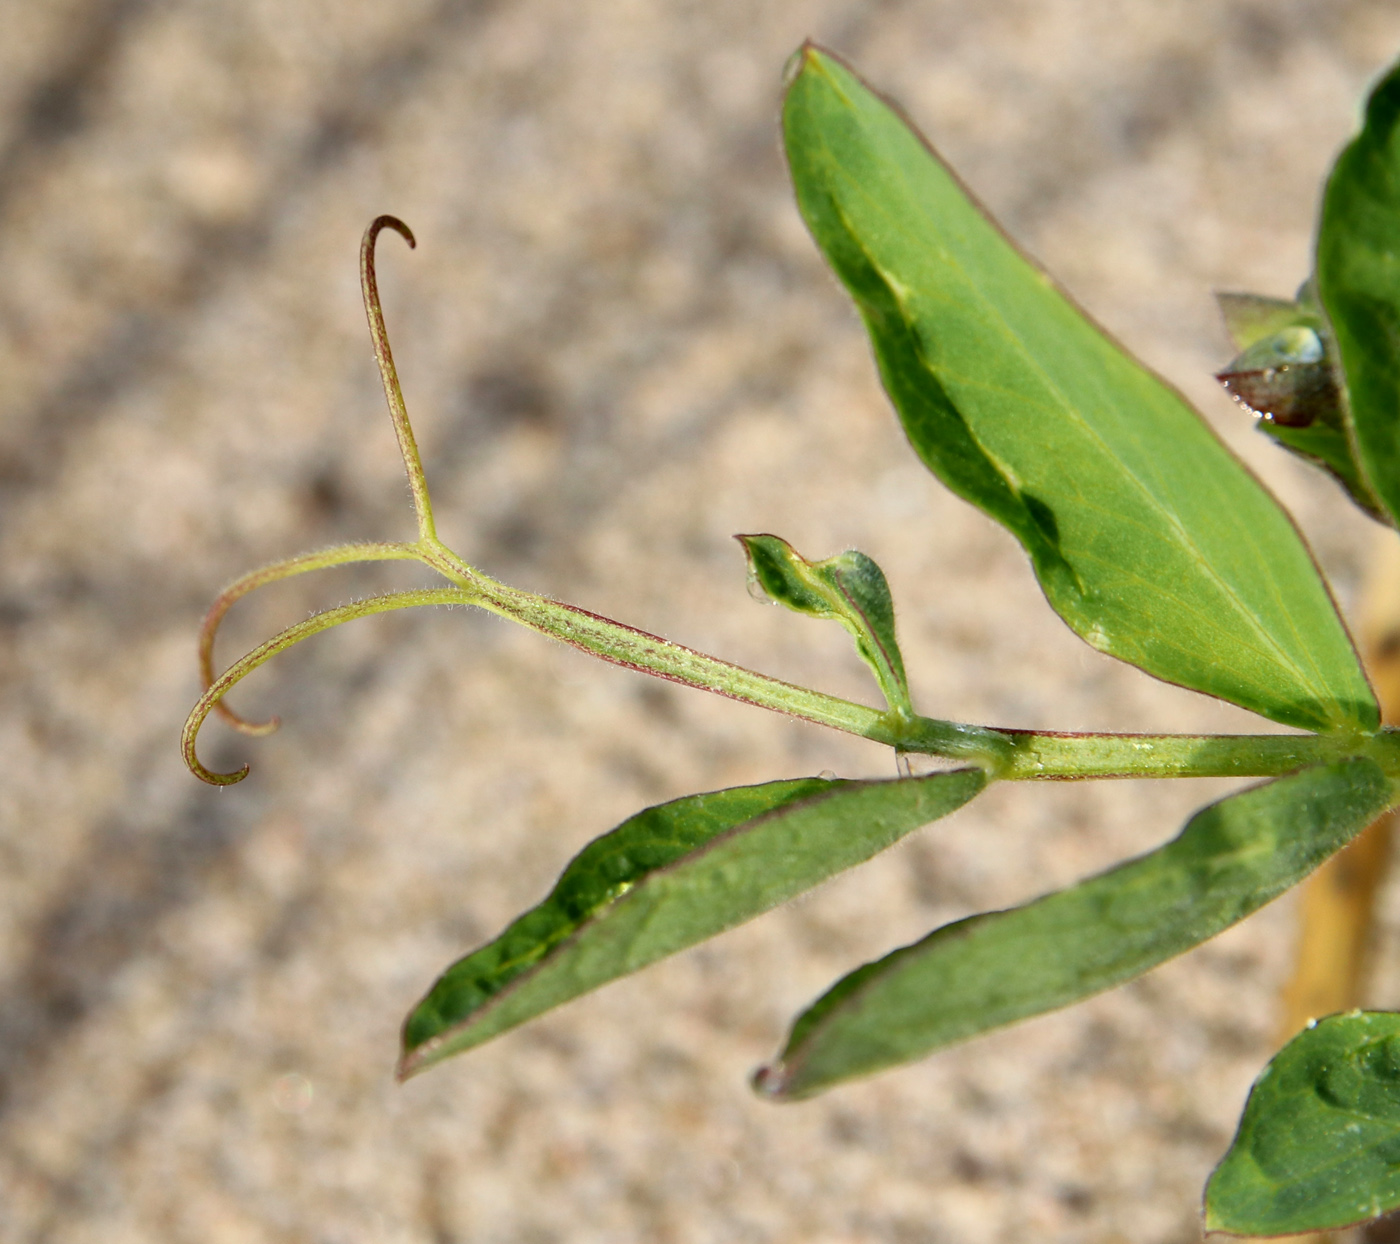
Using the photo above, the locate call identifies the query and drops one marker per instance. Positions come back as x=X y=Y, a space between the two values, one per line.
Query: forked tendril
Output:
x=342 y=554
x=421 y=550
x=285 y=639
x=1004 y=754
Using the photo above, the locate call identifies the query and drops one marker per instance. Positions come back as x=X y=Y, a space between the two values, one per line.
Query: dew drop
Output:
x=770 y=1080
x=827 y=775
x=794 y=65
x=757 y=592
x=292 y=1093
x=1312 y=1023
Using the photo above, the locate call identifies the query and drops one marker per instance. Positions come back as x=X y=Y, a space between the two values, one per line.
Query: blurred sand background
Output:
x=620 y=347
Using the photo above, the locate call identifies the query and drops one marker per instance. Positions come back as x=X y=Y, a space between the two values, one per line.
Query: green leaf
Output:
x=1358 y=281
x=1327 y=445
x=1147 y=536
x=848 y=588
x=665 y=879
x=1319 y=1144
x=993 y=969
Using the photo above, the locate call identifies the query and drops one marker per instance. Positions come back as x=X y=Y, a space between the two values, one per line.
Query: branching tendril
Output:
x=1003 y=754
x=285 y=639
x=423 y=549
x=340 y=555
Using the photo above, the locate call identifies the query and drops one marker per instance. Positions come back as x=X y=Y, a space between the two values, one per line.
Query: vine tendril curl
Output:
x=285 y=639
x=340 y=555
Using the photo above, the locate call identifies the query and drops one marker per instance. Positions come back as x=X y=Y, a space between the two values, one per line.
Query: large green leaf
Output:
x=1358 y=280
x=993 y=969
x=670 y=877
x=1147 y=536
x=1319 y=1143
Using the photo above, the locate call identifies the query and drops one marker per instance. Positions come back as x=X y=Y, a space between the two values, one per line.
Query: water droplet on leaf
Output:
x=756 y=590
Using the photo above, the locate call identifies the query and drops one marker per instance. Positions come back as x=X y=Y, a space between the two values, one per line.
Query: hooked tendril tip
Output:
x=384 y=356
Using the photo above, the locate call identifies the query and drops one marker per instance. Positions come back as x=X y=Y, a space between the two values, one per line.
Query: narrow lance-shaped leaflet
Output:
x=990 y=970
x=665 y=879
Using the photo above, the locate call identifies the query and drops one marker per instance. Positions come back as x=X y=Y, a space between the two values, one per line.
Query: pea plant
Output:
x=1151 y=541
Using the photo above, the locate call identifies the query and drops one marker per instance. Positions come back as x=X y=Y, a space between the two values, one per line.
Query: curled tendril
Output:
x=602 y=637
x=393 y=394
x=426 y=549
x=285 y=639
x=340 y=555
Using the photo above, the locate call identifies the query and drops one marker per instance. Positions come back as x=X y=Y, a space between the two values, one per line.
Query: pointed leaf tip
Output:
x=1252 y=317
x=994 y=969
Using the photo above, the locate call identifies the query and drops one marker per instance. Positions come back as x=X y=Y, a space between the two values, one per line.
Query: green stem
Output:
x=1015 y=755
x=1011 y=755
x=1080 y=756
x=650 y=654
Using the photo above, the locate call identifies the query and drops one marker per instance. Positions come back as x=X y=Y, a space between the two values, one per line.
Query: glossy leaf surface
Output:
x=1147 y=536
x=1319 y=1144
x=848 y=588
x=1358 y=280
x=1328 y=446
x=993 y=969
x=665 y=879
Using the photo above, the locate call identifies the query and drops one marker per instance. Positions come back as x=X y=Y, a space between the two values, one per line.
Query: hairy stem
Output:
x=1078 y=756
x=1011 y=755
x=1014 y=755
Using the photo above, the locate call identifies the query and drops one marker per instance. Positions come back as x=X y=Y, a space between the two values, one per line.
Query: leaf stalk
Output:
x=1012 y=755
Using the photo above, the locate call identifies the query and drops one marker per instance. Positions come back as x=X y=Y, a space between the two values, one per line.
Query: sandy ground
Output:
x=621 y=348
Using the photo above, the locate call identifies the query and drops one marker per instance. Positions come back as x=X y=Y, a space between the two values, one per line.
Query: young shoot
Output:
x=1148 y=538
